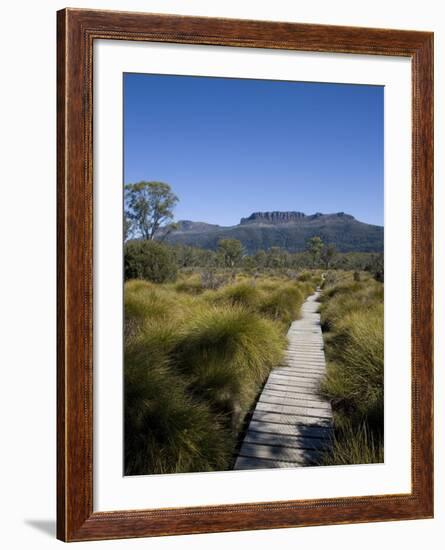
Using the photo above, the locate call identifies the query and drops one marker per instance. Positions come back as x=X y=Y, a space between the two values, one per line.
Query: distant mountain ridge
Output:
x=278 y=217
x=289 y=230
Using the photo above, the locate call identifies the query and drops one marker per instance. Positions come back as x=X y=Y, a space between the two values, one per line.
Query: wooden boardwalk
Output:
x=291 y=423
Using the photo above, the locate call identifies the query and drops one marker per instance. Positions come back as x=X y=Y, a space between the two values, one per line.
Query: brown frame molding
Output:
x=76 y=31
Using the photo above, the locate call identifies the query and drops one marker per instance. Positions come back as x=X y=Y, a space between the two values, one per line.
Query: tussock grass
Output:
x=355 y=375
x=352 y=320
x=283 y=303
x=166 y=431
x=190 y=285
x=307 y=288
x=312 y=277
x=354 y=445
x=227 y=352
x=276 y=299
x=143 y=298
x=194 y=363
x=344 y=298
x=243 y=294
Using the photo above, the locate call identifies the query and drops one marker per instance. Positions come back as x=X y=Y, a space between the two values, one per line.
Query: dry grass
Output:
x=352 y=320
x=195 y=360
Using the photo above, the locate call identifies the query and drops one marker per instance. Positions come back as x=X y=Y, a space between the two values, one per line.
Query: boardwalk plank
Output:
x=249 y=463
x=286 y=440
x=279 y=453
x=300 y=371
x=295 y=409
x=291 y=423
x=296 y=430
x=293 y=419
x=291 y=401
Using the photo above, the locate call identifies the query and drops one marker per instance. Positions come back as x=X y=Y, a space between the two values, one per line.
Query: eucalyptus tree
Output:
x=149 y=208
x=314 y=247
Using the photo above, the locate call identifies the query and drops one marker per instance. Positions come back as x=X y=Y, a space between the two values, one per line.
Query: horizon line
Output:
x=185 y=219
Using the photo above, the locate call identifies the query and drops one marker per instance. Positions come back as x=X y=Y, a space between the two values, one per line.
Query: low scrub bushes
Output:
x=149 y=260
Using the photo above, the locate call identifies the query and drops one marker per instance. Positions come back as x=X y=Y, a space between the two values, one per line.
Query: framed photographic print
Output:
x=245 y=228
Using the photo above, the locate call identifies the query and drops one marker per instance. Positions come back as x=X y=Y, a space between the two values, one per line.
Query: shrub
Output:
x=211 y=280
x=149 y=260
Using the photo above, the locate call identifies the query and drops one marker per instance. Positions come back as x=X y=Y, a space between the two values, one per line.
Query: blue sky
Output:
x=230 y=147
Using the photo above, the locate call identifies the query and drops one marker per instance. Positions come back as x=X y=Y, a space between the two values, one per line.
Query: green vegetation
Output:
x=315 y=246
x=195 y=359
x=273 y=260
x=352 y=321
x=148 y=207
x=230 y=251
x=341 y=230
x=149 y=260
x=205 y=324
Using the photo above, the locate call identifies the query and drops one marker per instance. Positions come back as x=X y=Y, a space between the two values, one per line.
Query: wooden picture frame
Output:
x=77 y=31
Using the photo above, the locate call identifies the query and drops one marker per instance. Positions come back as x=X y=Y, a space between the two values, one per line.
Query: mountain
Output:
x=288 y=230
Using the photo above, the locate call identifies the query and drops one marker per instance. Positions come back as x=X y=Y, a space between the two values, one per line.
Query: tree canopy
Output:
x=148 y=208
x=328 y=253
x=314 y=247
x=231 y=251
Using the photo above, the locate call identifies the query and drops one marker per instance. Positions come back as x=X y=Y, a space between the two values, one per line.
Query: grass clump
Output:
x=165 y=430
x=276 y=299
x=347 y=297
x=243 y=294
x=190 y=285
x=352 y=320
x=194 y=363
x=354 y=444
x=226 y=353
x=283 y=303
x=355 y=375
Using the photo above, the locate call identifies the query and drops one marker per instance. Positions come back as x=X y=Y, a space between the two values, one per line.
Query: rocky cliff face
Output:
x=273 y=217
x=289 y=230
x=290 y=217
